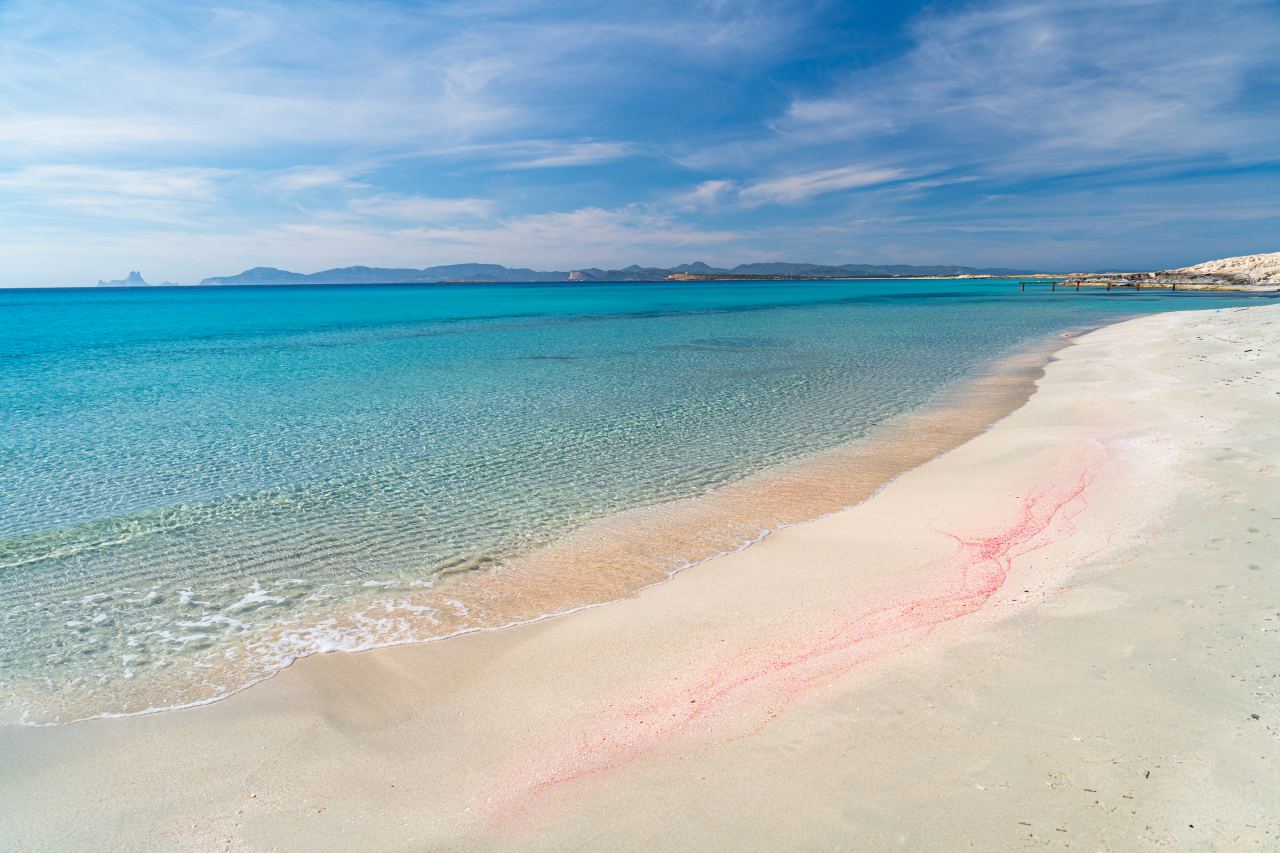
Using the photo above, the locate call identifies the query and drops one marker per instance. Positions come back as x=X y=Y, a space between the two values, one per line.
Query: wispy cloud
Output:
x=92 y=77
x=85 y=78
x=181 y=183
x=166 y=195
x=303 y=179
x=787 y=189
x=587 y=236
x=548 y=155
x=1048 y=88
x=707 y=195
x=417 y=208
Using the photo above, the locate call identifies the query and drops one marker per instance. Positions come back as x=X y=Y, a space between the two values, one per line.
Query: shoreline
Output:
x=621 y=549
x=875 y=675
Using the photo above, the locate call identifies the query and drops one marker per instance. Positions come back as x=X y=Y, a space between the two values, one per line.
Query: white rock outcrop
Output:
x=1256 y=269
x=1246 y=272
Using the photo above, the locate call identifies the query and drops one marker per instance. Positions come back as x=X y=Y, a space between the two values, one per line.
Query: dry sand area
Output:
x=1064 y=633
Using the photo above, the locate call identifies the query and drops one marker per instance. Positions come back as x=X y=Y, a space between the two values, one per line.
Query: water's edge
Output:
x=553 y=582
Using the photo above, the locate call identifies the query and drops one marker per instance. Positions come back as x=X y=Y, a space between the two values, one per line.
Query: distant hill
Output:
x=388 y=275
x=497 y=272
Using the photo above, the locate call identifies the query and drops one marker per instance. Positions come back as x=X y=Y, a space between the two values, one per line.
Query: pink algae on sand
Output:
x=739 y=698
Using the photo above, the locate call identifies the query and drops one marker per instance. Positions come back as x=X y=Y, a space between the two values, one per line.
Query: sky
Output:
x=197 y=139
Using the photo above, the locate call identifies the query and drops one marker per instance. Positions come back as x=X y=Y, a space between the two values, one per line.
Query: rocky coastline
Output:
x=1259 y=273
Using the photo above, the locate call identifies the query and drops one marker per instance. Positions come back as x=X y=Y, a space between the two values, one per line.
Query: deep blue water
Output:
x=189 y=475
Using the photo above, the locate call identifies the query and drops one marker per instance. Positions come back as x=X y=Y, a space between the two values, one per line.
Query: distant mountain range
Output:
x=388 y=275
x=497 y=272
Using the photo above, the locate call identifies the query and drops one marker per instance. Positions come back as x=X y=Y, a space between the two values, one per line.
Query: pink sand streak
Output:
x=757 y=686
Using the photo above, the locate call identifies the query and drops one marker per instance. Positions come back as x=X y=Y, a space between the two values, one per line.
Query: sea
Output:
x=201 y=485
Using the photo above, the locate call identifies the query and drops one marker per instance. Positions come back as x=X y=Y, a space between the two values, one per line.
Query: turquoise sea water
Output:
x=199 y=485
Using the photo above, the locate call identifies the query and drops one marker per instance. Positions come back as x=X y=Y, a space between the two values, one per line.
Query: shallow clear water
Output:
x=198 y=485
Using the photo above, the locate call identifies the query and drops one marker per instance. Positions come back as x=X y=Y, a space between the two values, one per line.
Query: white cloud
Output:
x=419 y=208
x=828 y=117
x=791 y=188
x=583 y=237
x=707 y=195
x=166 y=195
x=144 y=183
x=545 y=155
x=531 y=154
x=788 y=189
x=307 y=178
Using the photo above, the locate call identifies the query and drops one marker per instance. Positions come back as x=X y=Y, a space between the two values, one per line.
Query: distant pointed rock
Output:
x=133 y=279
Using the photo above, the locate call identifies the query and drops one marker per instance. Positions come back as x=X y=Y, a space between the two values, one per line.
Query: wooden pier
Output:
x=1053 y=285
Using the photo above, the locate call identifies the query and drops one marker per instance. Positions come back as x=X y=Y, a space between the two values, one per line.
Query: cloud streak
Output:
x=559 y=155
x=172 y=195
x=805 y=185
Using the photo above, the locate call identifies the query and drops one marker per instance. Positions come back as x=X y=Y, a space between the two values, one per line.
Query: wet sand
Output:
x=1061 y=633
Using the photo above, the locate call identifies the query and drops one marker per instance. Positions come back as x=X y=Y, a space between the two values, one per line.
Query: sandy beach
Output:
x=1062 y=633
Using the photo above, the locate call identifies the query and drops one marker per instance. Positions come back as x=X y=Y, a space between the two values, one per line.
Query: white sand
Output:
x=1055 y=635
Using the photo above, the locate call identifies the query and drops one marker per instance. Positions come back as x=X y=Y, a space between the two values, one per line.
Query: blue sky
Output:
x=194 y=139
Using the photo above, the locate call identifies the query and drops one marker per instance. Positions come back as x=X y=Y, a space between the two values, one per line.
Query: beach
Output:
x=1062 y=633
x=268 y=475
